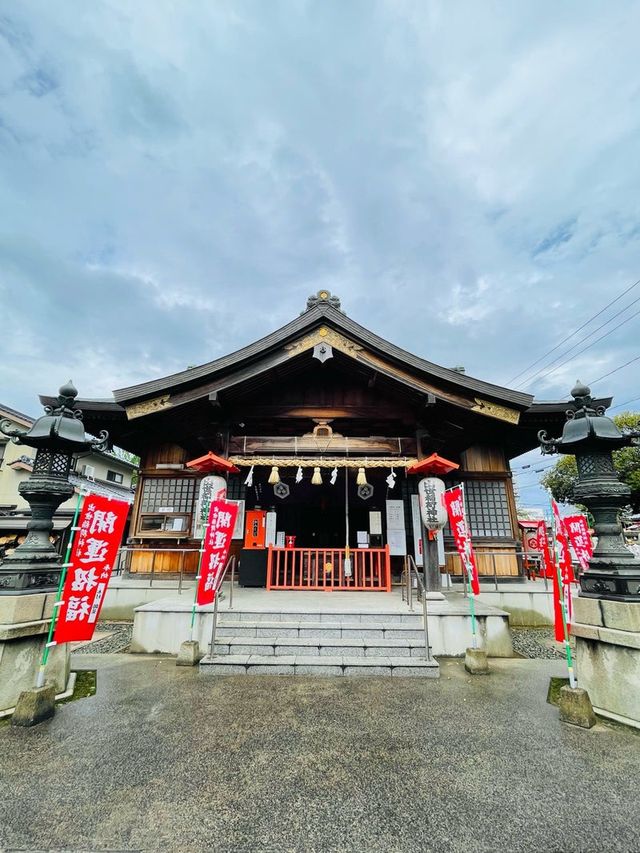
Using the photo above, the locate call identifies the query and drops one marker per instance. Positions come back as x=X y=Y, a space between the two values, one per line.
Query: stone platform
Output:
x=24 y=624
x=608 y=656
x=322 y=633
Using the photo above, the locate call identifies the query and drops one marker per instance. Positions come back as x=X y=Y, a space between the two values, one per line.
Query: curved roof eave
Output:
x=304 y=322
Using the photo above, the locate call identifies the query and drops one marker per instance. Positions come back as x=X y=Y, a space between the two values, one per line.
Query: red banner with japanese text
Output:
x=95 y=548
x=454 y=502
x=564 y=554
x=577 y=528
x=215 y=545
x=564 y=561
x=551 y=572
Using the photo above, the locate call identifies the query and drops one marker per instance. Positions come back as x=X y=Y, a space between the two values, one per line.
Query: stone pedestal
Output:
x=475 y=662
x=608 y=656
x=575 y=707
x=189 y=654
x=24 y=625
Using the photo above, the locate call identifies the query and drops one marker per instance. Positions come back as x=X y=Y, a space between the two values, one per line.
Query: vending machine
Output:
x=255 y=529
x=253 y=559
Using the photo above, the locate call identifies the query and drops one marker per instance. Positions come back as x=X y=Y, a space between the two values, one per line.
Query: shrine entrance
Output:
x=322 y=531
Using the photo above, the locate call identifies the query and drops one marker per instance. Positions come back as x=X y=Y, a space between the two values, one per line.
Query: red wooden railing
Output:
x=323 y=568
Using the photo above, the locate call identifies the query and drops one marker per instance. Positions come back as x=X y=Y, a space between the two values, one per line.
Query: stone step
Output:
x=386 y=665
x=321 y=630
x=330 y=646
x=351 y=618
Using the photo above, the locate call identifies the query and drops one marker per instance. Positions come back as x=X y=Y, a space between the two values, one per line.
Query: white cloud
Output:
x=463 y=175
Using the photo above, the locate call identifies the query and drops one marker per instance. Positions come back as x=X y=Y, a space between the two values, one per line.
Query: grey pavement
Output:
x=165 y=759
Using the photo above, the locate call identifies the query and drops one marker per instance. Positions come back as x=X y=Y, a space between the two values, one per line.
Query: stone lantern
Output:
x=606 y=614
x=35 y=565
x=614 y=572
x=30 y=576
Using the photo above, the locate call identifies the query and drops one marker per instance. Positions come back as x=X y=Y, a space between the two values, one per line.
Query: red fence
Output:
x=323 y=568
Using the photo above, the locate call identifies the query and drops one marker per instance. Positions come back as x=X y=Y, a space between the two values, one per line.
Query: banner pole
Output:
x=199 y=572
x=563 y=605
x=472 y=596
x=57 y=603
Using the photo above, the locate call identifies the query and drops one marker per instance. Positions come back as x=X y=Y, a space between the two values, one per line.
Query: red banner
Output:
x=551 y=572
x=216 y=544
x=100 y=528
x=454 y=502
x=577 y=528
x=564 y=554
x=564 y=559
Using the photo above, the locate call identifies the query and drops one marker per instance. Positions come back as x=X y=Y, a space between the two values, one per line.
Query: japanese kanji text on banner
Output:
x=216 y=544
x=577 y=528
x=454 y=501
x=100 y=529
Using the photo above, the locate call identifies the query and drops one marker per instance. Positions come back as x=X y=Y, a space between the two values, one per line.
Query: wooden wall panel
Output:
x=506 y=562
x=168 y=453
x=484 y=458
x=164 y=562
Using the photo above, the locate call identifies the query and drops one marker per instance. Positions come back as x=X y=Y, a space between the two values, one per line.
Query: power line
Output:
x=584 y=349
x=579 y=329
x=586 y=338
x=611 y=372
x=534 y=471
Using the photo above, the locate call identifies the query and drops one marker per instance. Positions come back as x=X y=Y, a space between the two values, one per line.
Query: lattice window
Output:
x=166 y=506
x=487 y=508
x=236 y=488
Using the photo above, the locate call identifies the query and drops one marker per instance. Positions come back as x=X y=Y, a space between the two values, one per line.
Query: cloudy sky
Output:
x=176 y=178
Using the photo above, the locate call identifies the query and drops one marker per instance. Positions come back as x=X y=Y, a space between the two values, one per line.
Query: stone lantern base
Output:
x=608 y=656
x=24 y=625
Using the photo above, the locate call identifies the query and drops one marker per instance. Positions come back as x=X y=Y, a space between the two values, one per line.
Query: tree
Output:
x=561 y=479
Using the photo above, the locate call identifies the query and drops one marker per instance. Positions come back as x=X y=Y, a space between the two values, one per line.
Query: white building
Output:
x=99 y=472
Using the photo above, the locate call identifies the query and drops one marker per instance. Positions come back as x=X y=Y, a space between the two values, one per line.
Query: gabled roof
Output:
x=8 y=412
x=322 y=313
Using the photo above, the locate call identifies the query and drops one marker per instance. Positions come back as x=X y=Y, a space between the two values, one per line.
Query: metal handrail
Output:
x=125 y=550
x=493 y=554
x=230 y=562
x=411 y=567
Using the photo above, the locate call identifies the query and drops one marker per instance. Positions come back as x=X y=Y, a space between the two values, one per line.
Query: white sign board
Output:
x=442 y=560
x=280 y=539
x=363 y=539
x=416 y=523
x=397 y=541
x=396 y=536
x=395 y=515
x=270 y=530
x=375 y=523
x=238 y=530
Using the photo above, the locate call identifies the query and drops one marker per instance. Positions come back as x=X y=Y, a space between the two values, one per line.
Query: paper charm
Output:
x=391 y=479
x=299 y=474
x=334 y=476
x=249 y=480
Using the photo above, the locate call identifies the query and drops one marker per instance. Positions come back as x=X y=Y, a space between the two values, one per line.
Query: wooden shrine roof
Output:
x=314 y=318
x=186 y=406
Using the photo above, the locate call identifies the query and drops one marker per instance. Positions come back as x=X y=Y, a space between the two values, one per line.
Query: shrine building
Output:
x=316 y=427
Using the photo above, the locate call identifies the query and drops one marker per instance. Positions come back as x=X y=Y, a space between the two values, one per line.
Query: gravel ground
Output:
x=117 y=641
x=536 y=643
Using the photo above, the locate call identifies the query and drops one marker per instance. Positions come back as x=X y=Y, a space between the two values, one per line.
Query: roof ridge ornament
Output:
x=323 y=297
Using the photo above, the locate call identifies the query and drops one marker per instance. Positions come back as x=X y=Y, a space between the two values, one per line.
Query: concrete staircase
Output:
x=303 y=643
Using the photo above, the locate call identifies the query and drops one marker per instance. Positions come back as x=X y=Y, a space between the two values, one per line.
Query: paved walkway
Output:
x=165 y=759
